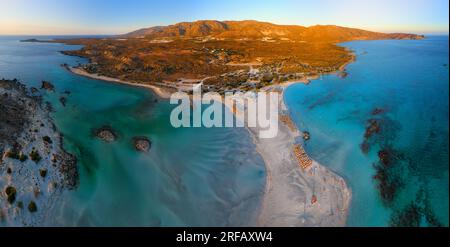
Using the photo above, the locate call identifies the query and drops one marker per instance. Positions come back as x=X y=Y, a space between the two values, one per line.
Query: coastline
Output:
x=287 y=200
x=159 y=91
x=34 y=163
x=294 y=196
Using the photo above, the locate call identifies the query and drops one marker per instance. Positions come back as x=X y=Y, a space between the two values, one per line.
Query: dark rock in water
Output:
x=306 y=136
x=63 y=101
x=385 y=157
x=374 y=127
x=387 y=176
x=343 y=74
x=142 y=144
x=48 y=86
x=409 y=217
x=106 y=134
x=34 y=90
x=378 y=111
x=415 y=214
x=388 y=156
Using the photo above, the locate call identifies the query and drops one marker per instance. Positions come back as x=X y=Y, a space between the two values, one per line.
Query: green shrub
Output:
x=12 y=155
x=34 y=155
x=47 y=139
x=43 y=172
x=11 y=194
x=32 y=207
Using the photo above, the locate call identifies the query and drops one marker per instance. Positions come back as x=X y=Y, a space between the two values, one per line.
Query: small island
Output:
x=142 y=144
x=106 y=134
x=34 y=41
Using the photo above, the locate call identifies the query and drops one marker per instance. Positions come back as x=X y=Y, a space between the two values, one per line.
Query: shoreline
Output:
x=37 y=166
x=158 y=91
x=294 y=196
x=284 y=177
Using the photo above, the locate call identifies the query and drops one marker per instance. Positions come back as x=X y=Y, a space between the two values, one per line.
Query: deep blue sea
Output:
x=384 y=128
x=191 y=177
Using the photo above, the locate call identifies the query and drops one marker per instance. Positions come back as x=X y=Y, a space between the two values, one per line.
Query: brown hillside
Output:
x=262 y=30
x=224 y=55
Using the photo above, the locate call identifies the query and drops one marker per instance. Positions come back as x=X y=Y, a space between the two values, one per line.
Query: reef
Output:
x=417 y=213
x=142 y=144
x=106 y=134
x=47 y=86
x=388 y=175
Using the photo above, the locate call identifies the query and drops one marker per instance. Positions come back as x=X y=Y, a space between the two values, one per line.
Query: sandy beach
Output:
x=159 y=91
x=293 y=196
x=33 y=163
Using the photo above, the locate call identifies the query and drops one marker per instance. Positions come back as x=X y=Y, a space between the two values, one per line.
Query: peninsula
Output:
x=223 y=55
x=243 y=55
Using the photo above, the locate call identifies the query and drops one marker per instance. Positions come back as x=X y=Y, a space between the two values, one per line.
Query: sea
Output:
x=190 y=177
x=382 y=125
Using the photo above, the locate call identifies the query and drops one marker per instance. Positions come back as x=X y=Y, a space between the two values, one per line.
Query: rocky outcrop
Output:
x=142 y=144
x=47 y=86
x=34 y=167
x=106 y=134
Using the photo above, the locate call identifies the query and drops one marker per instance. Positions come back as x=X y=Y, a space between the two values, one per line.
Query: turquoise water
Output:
x=191 y=177
x=208 y=177
x=404 y=85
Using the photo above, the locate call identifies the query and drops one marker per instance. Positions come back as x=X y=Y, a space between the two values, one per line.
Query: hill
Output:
x=262 y=30
x=224 y=55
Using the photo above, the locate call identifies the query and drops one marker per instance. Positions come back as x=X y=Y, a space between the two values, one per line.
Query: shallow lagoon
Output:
x=191 y=177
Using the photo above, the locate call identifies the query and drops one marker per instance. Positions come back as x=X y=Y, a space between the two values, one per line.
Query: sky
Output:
x=63 y=17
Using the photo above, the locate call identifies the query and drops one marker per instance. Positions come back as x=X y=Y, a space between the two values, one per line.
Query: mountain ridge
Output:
x=251 y=29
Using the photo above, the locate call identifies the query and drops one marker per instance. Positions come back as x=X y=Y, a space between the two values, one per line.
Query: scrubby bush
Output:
x=11 y=194
x=47 y=139
x=43 y=172
x=12 y=155
x=32 y=207
x=35 y=156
